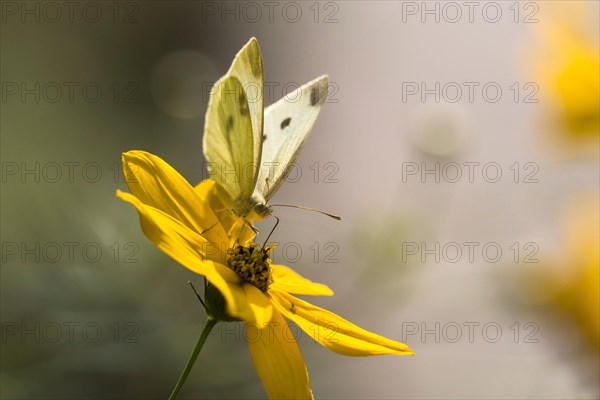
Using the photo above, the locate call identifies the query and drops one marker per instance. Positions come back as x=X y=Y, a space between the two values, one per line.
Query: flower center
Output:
x=252 y=264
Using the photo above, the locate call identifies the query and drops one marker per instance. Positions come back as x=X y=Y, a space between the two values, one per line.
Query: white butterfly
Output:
x=248 y=155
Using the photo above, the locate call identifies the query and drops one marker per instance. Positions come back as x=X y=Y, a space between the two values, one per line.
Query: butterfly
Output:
x=250 y=151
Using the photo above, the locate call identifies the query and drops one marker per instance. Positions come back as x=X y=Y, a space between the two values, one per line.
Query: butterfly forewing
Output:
x=228 y=139
x=247 y=67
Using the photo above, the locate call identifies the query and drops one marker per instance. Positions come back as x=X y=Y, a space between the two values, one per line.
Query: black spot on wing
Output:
x=264 y=137
x=286 y=122
x=243 y=102
x=229 y=123
x=256 y=67
x=315 y=94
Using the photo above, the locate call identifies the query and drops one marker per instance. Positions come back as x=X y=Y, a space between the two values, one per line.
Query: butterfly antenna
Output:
x=336 y=217
x=272 y=230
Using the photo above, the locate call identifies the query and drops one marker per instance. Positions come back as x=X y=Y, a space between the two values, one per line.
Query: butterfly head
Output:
x=260 y=209
x=254 y=208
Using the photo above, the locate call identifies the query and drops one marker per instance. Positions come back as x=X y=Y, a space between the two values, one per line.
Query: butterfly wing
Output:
x=234 y=124
x=287 y=124
x=228 y=139
x=247 y=67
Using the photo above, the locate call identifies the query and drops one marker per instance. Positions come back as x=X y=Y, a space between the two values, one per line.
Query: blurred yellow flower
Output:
x=182 y=221
x=566 y=65
x=579 y=290
x=571 y=283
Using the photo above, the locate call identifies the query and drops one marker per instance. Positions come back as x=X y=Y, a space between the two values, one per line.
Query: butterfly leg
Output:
x=218 y=220
x=244 y=225
x=272 y=230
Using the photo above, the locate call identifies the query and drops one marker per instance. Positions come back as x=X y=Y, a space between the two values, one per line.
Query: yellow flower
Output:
x=566 y=64
x=579 y=288
x=570 y=282
x=191 y=225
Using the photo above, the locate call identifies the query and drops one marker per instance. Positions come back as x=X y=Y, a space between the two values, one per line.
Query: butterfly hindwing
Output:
x=287 y=125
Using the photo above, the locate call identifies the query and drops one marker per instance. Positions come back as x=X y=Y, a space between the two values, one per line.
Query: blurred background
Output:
x=459 y=142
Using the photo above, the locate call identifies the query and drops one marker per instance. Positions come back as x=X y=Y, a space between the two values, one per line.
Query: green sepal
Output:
x=216 y=307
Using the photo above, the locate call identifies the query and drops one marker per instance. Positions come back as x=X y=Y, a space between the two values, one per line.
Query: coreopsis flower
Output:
x=193 y=226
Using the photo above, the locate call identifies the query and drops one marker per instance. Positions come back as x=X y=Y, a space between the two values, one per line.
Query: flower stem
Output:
x=208 y=325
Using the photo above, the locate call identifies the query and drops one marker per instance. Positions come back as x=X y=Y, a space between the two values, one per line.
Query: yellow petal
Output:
x=238 y=229
x=178 y=218
x=179 y=241
x=187 y=247
x=245 y=302
x=175 y=238
x=258 y=307
x=241 y=233
x=334 y=332
x=286 y=280
x=218 y=197
x=278 y=360
x=155 y=183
